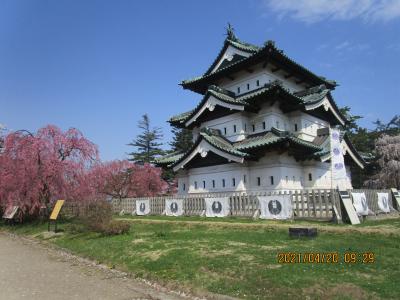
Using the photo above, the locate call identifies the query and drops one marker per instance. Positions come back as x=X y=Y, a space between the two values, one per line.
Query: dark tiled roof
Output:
x=169 y=158
x=236 y=43
x=219 y=93
x=243 y=148
x=302 y=98
x=256 y=53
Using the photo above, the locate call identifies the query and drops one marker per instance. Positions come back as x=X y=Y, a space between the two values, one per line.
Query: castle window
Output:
x=223 y=182
x=184 y=187
x=258 y=181
x=213 y=183
x=295 y=127
x=234 y=128
x=258 y=83
x=204 y=184
x=225 y=130
x=309 y=177
x=233 y=182
x=254 y=127
x=271 y=178
x=195 y=185
x=244 y=178
x=264 y=125
x=238 y=90
x=277 y=124
x=248 y=86
x=245 y=127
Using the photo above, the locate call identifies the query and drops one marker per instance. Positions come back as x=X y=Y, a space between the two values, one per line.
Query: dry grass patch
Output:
x=340 y=291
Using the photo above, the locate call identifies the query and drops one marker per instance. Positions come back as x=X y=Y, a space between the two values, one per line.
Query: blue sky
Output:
x=99 y=65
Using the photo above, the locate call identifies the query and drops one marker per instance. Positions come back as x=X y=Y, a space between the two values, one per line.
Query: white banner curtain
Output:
x=360 y=203
x=276 y=207
x=338 y=167
x=217 y=207
x=174 y=207
x=383 y=202
x=142 y=207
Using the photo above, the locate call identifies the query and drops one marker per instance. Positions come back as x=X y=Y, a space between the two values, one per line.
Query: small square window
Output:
x=258 y=181
x=213 y=183
x=309 y=177
x=271 y=178
x=264 y=125
x=258 y=83
x=234 y=128
x=223 y=182
x=233 y=182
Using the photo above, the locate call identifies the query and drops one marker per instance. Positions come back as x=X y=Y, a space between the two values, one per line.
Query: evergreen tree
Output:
x=182 y=139
x=147 y=143
x=2 y=132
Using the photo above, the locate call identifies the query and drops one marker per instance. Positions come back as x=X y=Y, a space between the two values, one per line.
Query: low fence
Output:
x=372 y=197
x=305 y=203
x=320 y=204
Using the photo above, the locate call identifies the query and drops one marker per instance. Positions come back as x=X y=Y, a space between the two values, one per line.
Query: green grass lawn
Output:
x=241 y=260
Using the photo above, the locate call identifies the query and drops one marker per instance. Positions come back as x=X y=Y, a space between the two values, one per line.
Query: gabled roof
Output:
x=238 y=151
x=209 y=140
x=325 y=154
x=272 y=137
x=316 y=98
x=237 y=44
x=320 y=96
x=268 y=53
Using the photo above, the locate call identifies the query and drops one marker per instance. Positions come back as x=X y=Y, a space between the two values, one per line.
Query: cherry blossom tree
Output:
x=388 y=163
x=36 y=169
x=122 y=178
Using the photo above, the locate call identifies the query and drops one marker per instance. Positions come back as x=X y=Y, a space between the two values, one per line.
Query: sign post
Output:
x=55 y=213
x=396 y=199
x=348 y=208
x=10 y=214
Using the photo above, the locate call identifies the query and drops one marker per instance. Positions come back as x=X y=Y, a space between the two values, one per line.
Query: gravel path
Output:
x=30 y=270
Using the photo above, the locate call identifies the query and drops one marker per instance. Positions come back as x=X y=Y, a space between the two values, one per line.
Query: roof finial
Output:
x=230 y=32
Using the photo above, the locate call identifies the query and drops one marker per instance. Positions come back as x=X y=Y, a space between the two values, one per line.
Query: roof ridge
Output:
x=311 y=90
x=218 y=89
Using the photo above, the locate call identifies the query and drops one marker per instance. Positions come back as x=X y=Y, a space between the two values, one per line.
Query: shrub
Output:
x=75 y=228
x=98 y=218
x=115 y=227
x=97 y=214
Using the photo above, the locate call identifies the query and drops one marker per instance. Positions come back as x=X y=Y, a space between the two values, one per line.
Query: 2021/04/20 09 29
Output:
x=326 y=257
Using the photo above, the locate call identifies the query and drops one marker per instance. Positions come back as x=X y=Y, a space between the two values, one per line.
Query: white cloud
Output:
x=311 y=11
x=342 y=46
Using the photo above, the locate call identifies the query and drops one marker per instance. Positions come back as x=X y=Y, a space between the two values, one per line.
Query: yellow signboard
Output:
x=56 y=209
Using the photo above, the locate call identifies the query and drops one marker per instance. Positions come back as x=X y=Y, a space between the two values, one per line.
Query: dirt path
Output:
x=29 y=270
